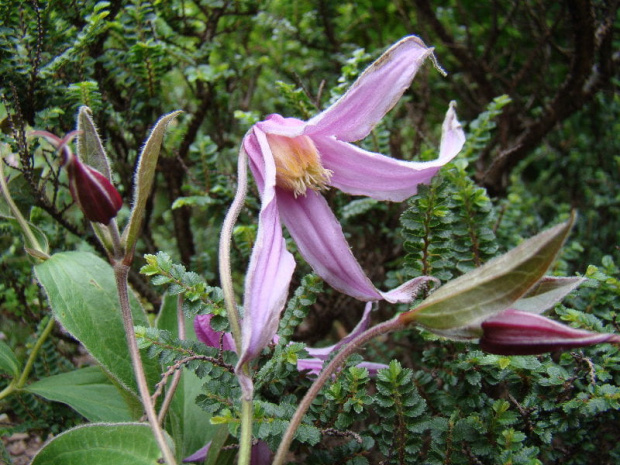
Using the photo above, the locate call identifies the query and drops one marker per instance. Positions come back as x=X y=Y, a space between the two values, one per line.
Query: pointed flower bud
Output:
x=513 y=332
x=92 y=191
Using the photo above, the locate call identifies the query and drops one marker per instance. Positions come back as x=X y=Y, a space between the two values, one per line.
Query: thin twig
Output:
x=177 y=374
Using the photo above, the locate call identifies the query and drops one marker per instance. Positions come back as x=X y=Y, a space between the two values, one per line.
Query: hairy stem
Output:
x=121 y=272
x=224 y=252
x=245 y=440
x=327 y=372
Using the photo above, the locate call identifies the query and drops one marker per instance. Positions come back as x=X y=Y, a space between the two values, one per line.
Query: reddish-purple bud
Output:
x=513 y=332
x=92 y=191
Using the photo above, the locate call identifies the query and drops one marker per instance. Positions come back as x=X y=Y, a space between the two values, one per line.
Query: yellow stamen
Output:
x=298 y=164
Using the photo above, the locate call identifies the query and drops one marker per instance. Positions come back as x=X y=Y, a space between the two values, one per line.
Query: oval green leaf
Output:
x=102 y=444
x=89 y=392
x=82 y=293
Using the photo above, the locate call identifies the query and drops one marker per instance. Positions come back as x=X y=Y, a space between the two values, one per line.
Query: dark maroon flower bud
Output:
x=513 y=332
x=92 y=191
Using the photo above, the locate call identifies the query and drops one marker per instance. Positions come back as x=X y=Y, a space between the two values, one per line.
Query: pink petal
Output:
x=321 y=241
x=200 y=455
x=271 y=265
x=311 y=365
x=207 y=335
x=375 y=92
x=323 y=353
x=318 y=356
x=359 y=172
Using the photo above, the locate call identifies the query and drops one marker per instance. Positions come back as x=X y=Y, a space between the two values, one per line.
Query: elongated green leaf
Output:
x=8 y=361
x=89 y=147
x=102 y=444
x=145 y=176
x=473 y=297
x=546 y=293
x=82 y=293
x=90 y=393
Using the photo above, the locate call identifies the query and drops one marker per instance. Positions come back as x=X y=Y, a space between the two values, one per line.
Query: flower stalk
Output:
x=329 y=370
x=243 y=370
x=121 y=272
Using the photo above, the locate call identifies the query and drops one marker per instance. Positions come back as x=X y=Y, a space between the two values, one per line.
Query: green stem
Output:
x=121 y=272
x=224 y=252
x=31 y=241
x=20 y=382
x=35 y=351
x=245 y=439
x=336 y=362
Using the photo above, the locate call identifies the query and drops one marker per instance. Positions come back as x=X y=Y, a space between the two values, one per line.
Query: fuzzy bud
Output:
x=92 y=191
x=513 y=332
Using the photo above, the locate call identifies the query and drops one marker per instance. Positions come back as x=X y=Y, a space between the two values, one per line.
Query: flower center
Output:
x=298 y=164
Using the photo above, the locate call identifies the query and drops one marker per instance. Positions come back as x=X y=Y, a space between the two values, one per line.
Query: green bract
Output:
x=457 y=308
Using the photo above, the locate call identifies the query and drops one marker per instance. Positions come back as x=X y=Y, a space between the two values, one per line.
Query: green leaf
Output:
x=90 y=393
x=89 y=147
x=8 y=361
x=546 y=293
x=82 y=293
x=102 y=444
x=145 y=176
x=456 y=308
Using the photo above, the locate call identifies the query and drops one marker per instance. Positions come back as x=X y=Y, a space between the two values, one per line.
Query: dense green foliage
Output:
x=227 y=64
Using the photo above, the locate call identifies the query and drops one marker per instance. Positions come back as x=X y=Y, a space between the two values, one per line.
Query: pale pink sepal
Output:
x=375 y=92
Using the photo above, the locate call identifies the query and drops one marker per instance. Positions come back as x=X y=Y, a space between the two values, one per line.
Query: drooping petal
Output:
x=359 y=172
x=513 y=332
x=321 y=241
x=314 y=365
x=452 y=137
x=207 y=335
x=271 y=265
x=261 y=454
x=375 y=92
x=323 y=353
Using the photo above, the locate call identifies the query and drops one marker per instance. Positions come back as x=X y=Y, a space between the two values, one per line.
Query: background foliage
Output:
x=536 y=85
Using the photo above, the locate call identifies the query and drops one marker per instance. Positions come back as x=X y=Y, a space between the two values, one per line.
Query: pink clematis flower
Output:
x=293 y=161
